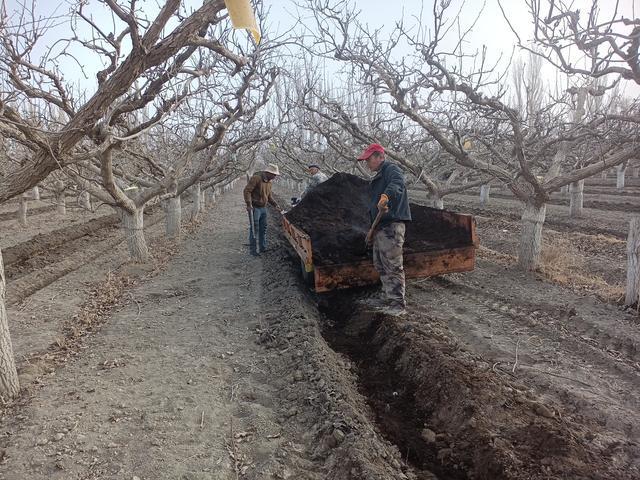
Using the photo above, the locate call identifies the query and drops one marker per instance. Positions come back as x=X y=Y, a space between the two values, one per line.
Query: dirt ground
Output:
x=211 y=364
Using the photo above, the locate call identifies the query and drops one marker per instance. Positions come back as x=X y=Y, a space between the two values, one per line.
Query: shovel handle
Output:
x=375 y=223
x=253 y=232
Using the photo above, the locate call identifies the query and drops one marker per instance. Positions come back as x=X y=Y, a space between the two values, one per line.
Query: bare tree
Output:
x=157 y=55
x=9 y=384
x=609 y=43
x=454 y=102
x=632 y=294
x=607 y=39
x=52 y=126
x=336 y=124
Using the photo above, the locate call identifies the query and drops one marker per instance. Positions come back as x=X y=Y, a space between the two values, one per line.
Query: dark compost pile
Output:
x=335 y=216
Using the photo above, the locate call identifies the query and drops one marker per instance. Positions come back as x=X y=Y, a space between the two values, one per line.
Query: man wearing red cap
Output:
x=389 y=196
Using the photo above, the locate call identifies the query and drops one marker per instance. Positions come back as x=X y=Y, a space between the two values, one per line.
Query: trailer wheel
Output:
x=307 y=277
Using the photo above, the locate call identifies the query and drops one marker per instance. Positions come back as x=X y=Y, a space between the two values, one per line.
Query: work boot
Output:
x=254 y=254
x=394 y=310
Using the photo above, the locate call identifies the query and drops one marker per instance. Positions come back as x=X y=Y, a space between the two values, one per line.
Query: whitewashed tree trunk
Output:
x=174 y=218
x=603 y=175
x=531 y=237
x=203 y=200
x=632 y=294
x=576 y=201
x=620 y=171
x=61 y=205
x=485 y=190
x=196 y=207
x=9 y=384
x=84 y=200
x=564 y=190
x=436 y=201
x=133 y=224
x=635 y=173
x=211 y=193
x=36 y=193
x=22 y=210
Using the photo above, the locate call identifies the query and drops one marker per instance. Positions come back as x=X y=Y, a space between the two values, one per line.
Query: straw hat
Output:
x=273 y=169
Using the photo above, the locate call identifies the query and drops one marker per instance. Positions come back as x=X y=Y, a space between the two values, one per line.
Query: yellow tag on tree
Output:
x=242 y=16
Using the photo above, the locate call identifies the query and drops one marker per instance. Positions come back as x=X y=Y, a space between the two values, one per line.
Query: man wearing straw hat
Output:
x=257 y=194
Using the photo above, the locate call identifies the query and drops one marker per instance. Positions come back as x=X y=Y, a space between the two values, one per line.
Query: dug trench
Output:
x=444 y=408
x=436 y=410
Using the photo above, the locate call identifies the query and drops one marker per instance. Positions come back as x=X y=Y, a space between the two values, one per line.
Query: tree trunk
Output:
x=212 y=195
x=84 y=200
x=635 y=173
x=564 y=190
x=9 y=384
x=60 y=198
x=174 y=218
x=484 y=194
x=196 y=206
x=133 y=224
x=22 y=210
x=576 y=191
x=436 y=201
x=36 y=193
x=620 y=171
x=603 y=175
x=632 y=295
x=531 y=236
x=203 y=200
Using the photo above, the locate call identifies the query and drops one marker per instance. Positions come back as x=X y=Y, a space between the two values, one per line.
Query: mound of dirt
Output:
x=452 y=415
x=335 y=216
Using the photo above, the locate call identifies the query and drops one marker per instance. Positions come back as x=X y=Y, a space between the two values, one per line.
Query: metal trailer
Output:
x=324 y=278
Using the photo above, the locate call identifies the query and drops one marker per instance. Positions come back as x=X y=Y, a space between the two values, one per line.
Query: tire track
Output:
x=25 y=286
x=566 y=357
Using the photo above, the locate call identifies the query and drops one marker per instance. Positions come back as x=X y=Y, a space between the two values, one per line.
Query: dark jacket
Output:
x=258 y=191
x=390 y=181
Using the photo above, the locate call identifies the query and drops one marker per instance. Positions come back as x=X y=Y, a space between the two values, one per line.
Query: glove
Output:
x=383 y=203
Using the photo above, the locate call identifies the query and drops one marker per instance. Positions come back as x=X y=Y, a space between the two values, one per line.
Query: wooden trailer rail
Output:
x=325 y=278
x=301 y=242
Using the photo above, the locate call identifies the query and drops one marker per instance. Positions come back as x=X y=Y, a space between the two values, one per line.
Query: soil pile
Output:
x=335 y=216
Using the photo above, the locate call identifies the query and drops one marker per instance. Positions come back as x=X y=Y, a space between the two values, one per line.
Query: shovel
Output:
x=369 y=238
x=253 y=229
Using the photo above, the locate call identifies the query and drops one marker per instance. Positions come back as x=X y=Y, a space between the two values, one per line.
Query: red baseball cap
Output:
x=374 y=147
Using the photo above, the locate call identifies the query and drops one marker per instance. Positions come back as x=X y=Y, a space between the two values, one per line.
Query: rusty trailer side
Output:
x=301 y=242
x=416 y=264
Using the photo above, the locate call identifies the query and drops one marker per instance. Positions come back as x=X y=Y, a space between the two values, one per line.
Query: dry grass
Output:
x=558 y=253
x=562 y=264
